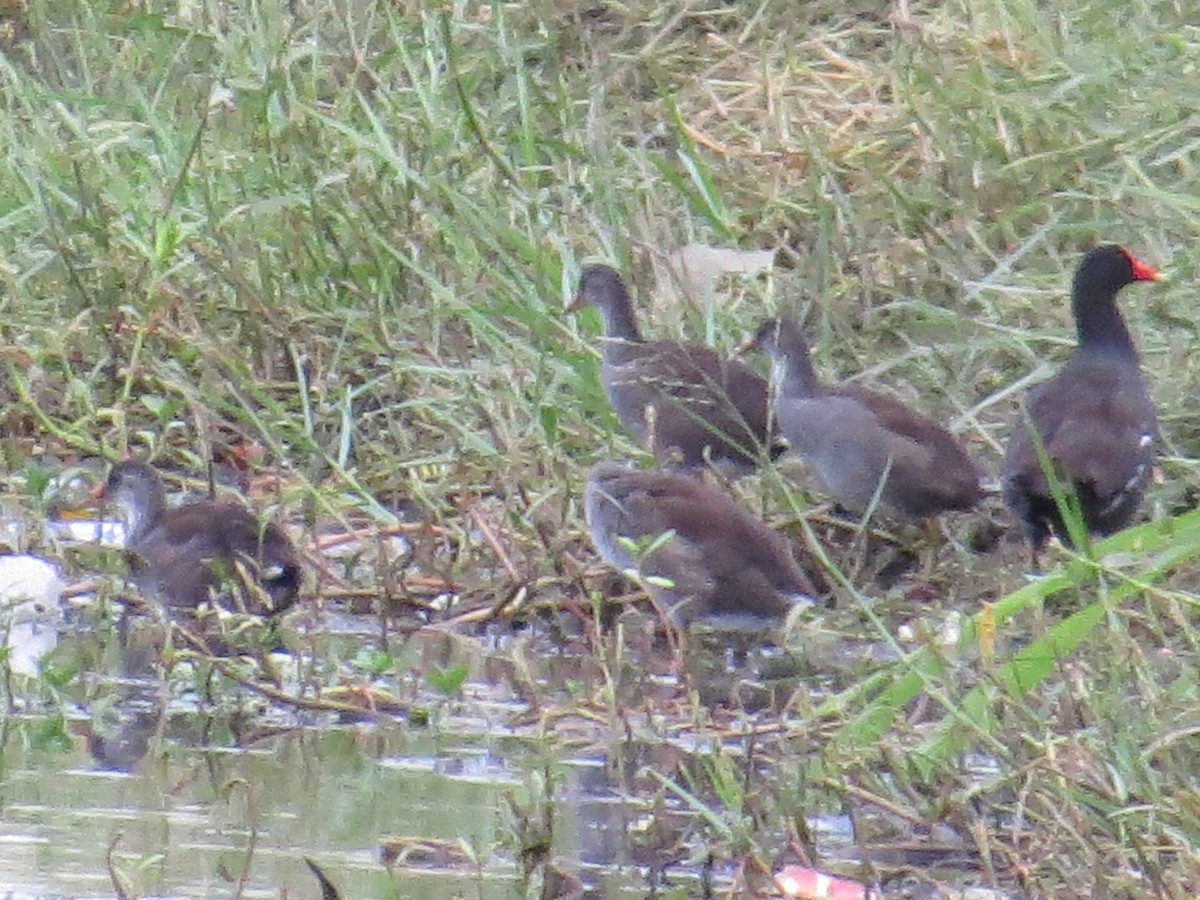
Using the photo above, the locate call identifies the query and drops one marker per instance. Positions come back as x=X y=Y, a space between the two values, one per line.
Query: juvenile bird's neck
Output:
x=140 y=514
x=793 y=373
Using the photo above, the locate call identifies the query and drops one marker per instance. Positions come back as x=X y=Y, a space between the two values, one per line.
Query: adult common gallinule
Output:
x=1095 y=417
x=721 y=562
x=856 y=439
x=682 y=402
x=187 y=555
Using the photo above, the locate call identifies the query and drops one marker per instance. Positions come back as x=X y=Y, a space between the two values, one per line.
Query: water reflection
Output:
x=121 y=726
x=589 y=771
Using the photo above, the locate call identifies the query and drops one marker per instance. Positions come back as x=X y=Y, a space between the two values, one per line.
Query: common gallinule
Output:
x=682 y=402
x=187 y=555
x=860 y=442
x=1095 y=417
x=720 y=561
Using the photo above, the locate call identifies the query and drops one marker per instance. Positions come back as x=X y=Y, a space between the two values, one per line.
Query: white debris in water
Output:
x=394 y=545
x=29 y=587
x=30 y=609
x=949 y=631
x=108 y=533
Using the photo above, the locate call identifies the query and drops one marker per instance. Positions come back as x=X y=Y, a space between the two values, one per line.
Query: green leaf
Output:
x=449 y=680
x=549 y=418
x=163 y=408
x=1159 y=546
x=37 y=479
x=373 y=662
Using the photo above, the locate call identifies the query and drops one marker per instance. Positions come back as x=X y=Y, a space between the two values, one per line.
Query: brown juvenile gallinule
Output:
x=721 y=562
x=187 y=555
x=1095 y=417
x=855 y=439
x=682 y=402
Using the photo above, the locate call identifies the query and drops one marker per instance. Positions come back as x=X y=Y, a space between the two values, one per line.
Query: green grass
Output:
x=348 y=235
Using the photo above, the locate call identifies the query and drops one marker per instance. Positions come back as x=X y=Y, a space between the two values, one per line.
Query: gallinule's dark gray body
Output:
x=855 y=439
x=682 y=402
x=1095 y=417
x=723 y=563
x=187 y=555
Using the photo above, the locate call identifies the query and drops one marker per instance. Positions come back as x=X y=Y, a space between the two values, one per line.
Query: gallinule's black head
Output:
x=857 y=440
x=1102 y=272
x=136 y=492
x=187 y=555
x=717 y=562
x=682 y=402
x=782 y=341
x=1095 y=417
x=602 y=288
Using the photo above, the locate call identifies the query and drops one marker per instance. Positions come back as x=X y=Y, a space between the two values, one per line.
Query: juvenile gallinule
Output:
x=682 y=402
x=722 y=562
x=1095 y=417
x=855 y=439
x=187 y=555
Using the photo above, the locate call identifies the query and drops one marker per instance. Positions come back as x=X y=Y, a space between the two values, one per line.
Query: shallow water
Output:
x=187 y=821
x=209 y=803
x=470 y=747
x=249 y=794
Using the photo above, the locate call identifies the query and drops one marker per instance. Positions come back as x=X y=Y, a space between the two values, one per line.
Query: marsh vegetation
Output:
x=343 y=234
